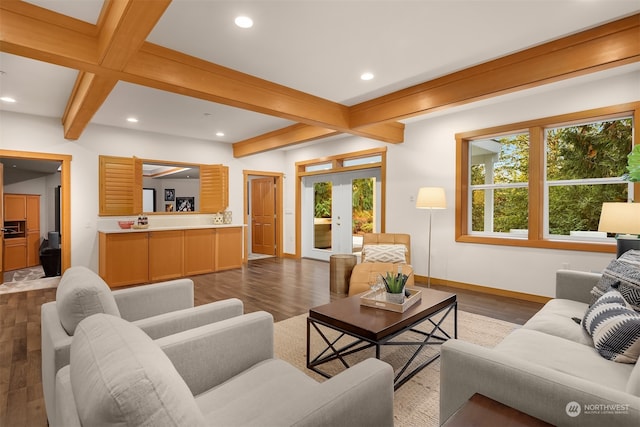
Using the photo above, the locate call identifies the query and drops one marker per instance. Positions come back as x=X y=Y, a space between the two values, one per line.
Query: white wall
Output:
x=40 y=134
x=426 y=158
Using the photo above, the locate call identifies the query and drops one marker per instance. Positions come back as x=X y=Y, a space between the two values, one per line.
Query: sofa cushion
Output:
x=614 y=327
x=258 y=396
x=81 y=293
x=556 y=318
x=384 y=253
x=119 y=376
x=565 y=356
x=623 y=274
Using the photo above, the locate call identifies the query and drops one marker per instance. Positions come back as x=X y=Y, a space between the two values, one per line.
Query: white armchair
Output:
x=220 y=374
x=158 y=309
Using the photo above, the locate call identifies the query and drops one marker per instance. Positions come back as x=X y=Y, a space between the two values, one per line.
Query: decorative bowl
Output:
x=125 y=225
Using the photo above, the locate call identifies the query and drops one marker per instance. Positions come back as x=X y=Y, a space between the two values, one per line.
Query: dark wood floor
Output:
x=283 y=287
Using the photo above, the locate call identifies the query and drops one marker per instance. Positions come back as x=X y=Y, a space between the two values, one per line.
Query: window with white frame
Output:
x=585 y=164
x=500 y=184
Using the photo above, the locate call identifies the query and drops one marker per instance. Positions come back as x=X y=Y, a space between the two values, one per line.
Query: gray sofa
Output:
x=158 y=309
x=222 y=374
x=548 y=368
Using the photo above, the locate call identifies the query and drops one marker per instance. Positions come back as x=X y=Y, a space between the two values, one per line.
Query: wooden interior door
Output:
x=263 y=221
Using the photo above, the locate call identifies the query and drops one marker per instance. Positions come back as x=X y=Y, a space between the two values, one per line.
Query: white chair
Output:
x=159 y=309
x=222 y=374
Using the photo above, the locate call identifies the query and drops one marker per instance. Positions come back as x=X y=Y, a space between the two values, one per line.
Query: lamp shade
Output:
x=431 y=198
x=620 y=218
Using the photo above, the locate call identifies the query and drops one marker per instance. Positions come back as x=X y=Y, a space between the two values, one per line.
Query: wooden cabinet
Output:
x=124 y=258
x=22 y=238
x=228 y=247
x=166 y=255
x=15 y=207
x=33 y=230
x=15 y=253
x=199 y=251
x=134 y=257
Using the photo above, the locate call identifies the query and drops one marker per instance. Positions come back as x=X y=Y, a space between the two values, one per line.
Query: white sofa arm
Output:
x=210 y=355
x=575 y=285
x=54 y=346
x=536 y=390
x=155 y=298
x=66 y=410
x=189 y=318
x=361 y=395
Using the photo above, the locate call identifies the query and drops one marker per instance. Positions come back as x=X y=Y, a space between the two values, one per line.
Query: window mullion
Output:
x=537 y=203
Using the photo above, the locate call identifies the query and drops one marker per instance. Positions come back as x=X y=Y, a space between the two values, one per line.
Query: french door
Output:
x=337 y=209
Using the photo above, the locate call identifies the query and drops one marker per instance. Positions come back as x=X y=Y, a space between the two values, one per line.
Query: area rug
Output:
x=416 y=403
x=27 y=279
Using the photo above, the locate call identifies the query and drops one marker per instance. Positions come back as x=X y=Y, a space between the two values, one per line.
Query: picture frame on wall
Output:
x=185 y=204
x=168 y=207
x=169 y=194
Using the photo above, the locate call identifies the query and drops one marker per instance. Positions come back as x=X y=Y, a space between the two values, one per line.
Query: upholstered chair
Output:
x=158 y=309
x=381 y=253
x=221 y=374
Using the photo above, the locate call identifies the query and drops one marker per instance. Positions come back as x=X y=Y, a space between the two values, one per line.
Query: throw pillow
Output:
x=614 y=327
x=623 y=274
x=81 y=293
x=384 y=253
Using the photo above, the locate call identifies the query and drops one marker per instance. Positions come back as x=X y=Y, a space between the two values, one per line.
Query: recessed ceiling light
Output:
x=244 y=22
x=219 y=133
x=7 y=99
x=366 y=76
x=132 y=120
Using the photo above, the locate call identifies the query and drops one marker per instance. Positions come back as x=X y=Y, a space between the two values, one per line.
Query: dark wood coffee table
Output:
x=375 y=327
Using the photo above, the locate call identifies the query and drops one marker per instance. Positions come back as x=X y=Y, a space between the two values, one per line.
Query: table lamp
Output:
x=623 y=219
x=430 y=198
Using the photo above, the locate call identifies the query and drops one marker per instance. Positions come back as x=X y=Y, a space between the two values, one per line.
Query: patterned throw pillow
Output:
x=614 y=327
x=384 y=253
x=624 y=275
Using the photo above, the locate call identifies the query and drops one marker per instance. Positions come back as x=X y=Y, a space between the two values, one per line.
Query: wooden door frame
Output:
x=278 y=178
x=65 y=182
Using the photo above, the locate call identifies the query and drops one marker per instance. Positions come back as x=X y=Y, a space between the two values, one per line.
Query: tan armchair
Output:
x=364 y=274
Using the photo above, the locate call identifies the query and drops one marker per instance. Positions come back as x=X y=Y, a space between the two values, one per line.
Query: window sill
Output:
x=542 y=244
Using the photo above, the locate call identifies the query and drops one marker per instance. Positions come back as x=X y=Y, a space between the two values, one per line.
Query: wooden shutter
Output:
x=120 y=186
x=214 y=188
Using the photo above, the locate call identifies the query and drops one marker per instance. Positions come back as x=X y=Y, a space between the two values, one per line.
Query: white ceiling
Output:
x=318 y=47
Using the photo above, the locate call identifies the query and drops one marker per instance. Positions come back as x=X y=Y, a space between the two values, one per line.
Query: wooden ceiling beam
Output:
x=123 y=26
x=89 y=93
x=291 y=135
x=300 y=132
x=607 y=46
x=44 y=35
x=603 y=47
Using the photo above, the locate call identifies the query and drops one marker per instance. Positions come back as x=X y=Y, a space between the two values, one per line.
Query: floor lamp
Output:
x=430 y=198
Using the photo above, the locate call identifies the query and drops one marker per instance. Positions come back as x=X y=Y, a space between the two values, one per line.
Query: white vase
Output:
x=396 y=298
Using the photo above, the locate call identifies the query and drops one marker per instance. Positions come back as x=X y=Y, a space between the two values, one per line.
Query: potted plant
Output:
x=633 y=165
x=394 y=284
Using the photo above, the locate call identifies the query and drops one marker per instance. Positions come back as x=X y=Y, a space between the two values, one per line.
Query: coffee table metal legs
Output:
x=433 y=336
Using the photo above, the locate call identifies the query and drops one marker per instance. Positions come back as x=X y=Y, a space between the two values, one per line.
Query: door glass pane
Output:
x=322 y=201
x=363 y=209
